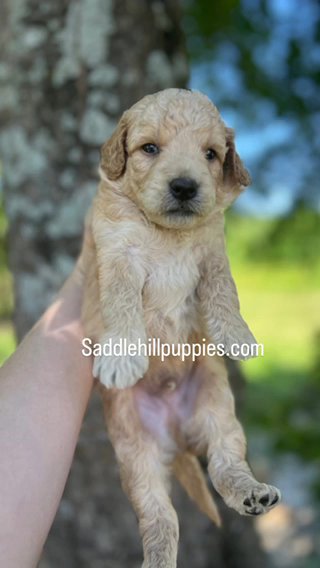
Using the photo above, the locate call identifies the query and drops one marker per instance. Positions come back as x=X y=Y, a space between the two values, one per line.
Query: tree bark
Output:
x=68 y=70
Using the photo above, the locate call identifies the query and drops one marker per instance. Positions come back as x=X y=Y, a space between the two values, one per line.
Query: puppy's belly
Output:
x=165 y=406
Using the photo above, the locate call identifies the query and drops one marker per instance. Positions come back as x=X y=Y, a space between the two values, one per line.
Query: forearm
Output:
x=44 y=391
x=220 y=307
x=121 y=307
x=217 y=289
x=120 y=285
x=121 y=265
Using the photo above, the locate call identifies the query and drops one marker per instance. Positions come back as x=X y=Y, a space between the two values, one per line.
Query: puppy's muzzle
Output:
x=183 y=189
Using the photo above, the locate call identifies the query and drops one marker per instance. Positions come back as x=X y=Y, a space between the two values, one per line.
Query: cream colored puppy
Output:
x=168 y=173
x=161 y=270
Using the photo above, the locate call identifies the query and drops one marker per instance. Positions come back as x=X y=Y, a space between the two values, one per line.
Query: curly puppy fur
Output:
x=160 y=270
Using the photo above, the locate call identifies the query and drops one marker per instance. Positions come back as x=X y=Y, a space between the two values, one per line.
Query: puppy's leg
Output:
x=121 y=276
x=145 y=479
x=221 y=309
x=215 y=428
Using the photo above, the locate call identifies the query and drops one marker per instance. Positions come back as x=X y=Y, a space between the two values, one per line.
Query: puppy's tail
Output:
x=188 y=472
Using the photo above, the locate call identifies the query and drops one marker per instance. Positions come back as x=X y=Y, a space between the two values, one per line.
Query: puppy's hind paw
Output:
x=260 y=500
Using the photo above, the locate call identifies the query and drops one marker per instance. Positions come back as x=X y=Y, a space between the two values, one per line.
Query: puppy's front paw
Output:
x=121 y=371
x=237 y=339
x=239 y=342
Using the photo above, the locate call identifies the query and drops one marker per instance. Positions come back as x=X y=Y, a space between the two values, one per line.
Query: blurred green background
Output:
x=259 y=60
x=7 y=339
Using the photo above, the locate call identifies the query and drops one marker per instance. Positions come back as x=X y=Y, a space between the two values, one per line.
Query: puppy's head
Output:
x=174 y=157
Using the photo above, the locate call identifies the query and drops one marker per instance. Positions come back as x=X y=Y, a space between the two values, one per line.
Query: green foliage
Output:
x=252 y=28
x=207 y=18
x=7 y=341
x=280 y=300
x=6 y=295
x=286 y=405
x=295 y=238
x=260 y=62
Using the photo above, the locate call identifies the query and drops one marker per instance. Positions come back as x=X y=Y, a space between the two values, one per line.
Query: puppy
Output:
x=160 y=270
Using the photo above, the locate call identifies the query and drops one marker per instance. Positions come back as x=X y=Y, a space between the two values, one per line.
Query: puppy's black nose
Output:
x=183 y=189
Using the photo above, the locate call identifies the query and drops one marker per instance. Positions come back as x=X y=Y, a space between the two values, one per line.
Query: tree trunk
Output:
x=68 y=70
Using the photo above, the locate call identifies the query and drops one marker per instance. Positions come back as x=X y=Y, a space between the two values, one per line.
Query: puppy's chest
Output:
x=169 y=294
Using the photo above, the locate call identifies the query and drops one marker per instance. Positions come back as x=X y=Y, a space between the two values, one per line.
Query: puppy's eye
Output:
x=150 y=148
x=210 y=154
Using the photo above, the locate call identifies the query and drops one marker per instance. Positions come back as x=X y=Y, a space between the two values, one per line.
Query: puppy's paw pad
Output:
x=276 y=498
x=261 y=500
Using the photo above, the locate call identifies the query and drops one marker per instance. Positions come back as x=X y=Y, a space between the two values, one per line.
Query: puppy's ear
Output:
x=113 y=152
x=235 y=175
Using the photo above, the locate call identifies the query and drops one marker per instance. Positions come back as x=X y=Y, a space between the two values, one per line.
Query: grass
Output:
x=7 y=340
x=286 y=322
x=278 y=300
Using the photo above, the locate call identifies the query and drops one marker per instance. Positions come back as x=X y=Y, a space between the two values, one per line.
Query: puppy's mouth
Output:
x=181 y=212
x=184 y=209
